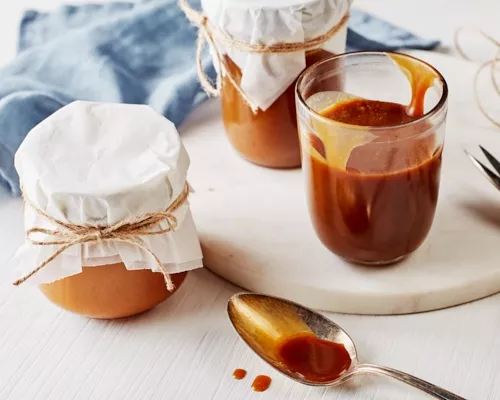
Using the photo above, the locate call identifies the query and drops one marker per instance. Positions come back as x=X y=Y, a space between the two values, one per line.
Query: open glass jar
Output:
x=257 y=94
x=109 y=231
x=372 y=152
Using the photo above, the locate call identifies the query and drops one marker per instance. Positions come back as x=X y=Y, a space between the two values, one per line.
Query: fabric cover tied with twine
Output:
x=141 y=53
x=128 y=230
x=105 y=183
x=267 y=43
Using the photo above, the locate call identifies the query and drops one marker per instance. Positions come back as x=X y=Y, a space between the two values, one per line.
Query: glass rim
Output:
x=435 y=110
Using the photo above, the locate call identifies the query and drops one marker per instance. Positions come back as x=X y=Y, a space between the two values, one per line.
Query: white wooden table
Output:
x=186 y=349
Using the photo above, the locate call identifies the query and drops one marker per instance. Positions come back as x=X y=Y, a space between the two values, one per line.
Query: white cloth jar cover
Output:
x=97 y=164
x=265 y=76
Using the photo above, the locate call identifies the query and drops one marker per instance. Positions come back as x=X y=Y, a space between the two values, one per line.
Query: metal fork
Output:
x=493 y=177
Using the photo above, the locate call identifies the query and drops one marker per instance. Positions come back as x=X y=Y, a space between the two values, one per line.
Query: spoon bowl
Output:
x=265 y=322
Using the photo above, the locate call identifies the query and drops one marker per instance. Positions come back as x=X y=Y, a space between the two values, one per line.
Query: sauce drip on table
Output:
x=380 y=205
x=261 y=383
x=239 y=374
x=316 y=359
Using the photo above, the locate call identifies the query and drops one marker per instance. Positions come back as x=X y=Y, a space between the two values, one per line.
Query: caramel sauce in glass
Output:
x=380 y=207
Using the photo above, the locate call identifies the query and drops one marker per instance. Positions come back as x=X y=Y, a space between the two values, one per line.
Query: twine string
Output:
x=491 y=64
x=128 y=230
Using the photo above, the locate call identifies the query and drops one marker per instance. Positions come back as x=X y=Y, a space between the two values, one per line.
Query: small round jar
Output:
x=109 y=230
x=267 y=135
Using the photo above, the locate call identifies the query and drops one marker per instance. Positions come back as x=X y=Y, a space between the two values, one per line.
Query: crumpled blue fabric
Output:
x=123 y=52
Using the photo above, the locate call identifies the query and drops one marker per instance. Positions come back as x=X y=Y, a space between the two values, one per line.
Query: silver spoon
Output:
x=263 y=321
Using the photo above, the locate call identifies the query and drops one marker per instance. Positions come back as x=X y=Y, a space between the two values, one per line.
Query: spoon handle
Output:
x=427 y=387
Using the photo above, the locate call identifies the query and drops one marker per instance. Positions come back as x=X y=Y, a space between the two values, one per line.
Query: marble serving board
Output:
x=255 y=228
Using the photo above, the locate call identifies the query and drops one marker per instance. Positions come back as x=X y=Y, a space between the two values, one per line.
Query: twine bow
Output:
x=128 y=230
x=209 y=33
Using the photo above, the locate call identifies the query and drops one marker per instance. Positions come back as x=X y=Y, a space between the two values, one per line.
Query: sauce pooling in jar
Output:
x=268 y=138
x=381 y=206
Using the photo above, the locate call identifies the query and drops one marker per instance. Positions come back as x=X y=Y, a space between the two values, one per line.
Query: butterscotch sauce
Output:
x=368 y=113
x=379 y=204
x=261 y=383
x=239 y=374
x=315 y=359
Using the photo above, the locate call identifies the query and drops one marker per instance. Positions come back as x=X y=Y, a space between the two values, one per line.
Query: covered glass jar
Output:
x=259 y=49
x=109 y=231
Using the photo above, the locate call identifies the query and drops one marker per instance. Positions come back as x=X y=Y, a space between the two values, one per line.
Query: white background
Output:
x=185 y=349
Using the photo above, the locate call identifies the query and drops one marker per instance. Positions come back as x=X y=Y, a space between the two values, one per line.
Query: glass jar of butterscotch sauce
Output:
x=109 y=231
x=257 y=93
x=372 y=153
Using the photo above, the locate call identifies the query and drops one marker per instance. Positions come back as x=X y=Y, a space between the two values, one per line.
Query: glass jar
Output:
x=372 y=186
x=109 y=231
x=259 y=112
x=268 y=138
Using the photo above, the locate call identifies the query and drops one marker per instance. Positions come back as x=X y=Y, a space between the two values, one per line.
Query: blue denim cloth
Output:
x=122 y=52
